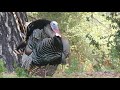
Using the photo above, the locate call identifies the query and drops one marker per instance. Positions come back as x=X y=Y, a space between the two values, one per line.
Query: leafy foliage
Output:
x=21 y=72
x=2 y=66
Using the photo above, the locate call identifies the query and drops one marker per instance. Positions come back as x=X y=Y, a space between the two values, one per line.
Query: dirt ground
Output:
x=89 y=75
x=73 y=75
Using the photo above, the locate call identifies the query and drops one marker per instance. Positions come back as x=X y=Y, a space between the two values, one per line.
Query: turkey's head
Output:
x=52 y=29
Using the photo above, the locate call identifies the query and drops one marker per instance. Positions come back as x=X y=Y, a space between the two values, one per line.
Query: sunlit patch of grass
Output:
x=9 y=75
x=88 y=67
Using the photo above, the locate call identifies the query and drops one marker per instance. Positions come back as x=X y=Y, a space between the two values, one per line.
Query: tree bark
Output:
x=11 y=34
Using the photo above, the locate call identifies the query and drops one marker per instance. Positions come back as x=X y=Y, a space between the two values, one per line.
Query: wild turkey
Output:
x=46 y=28
x=41 y=34
x=50 y=52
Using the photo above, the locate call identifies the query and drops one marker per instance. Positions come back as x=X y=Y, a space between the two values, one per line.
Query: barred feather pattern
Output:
x=37 y=36
x=45 y=53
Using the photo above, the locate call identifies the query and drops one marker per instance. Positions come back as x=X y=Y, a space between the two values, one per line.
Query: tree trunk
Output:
x=11 y=34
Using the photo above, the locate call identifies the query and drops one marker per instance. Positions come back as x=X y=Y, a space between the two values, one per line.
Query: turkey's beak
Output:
x=57 y=33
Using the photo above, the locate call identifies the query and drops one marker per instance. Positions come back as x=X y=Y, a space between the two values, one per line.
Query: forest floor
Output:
x=73 y=75
x=61 y=73
x=89 y=75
